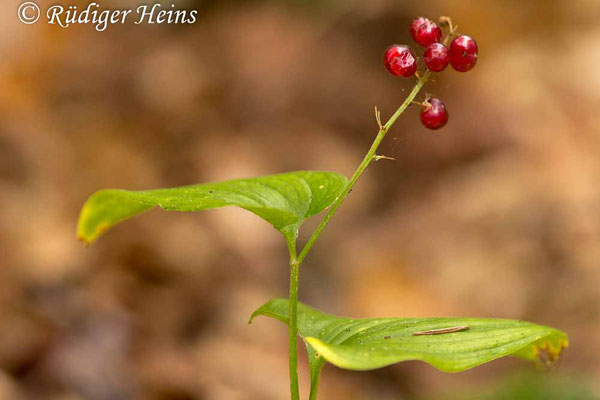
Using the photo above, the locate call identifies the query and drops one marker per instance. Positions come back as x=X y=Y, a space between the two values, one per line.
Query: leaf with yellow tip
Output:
x=364 y=344
x=283 y=200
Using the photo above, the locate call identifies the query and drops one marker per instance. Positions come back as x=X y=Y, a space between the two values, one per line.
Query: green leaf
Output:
x=283 y=200
x=364 y=344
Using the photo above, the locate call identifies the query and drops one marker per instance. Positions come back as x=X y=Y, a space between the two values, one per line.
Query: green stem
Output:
x=314 y=382
x=296 y=261
x=363 y=166
x=293 y=321
x=371 y=155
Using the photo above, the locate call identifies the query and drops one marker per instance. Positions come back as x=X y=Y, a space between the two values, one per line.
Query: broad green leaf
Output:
x=364 y=344
x=283 y=200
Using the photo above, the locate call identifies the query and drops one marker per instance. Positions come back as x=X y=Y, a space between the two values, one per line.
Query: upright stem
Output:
x=314 y=383
x=296 y=261
x=293 y=321
x=363 y=165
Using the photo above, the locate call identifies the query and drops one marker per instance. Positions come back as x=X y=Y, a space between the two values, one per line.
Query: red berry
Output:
x=415 y=25
x=400 y=61
x=436 y=57
x=427 y=33
x=434 y=114
x=463 y=53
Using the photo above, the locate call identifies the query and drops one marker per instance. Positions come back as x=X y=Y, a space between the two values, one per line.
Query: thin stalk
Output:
x=296 y=260
x=293 y=321
x=363 y=165
x=314 y=383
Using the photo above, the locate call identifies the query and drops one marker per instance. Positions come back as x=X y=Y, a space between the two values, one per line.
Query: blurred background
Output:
x=497 y=215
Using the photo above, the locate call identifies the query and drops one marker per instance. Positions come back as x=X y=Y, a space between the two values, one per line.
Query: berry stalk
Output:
x=371 y=155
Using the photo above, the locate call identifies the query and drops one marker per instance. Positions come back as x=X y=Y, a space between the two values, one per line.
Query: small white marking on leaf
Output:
x=441 y=331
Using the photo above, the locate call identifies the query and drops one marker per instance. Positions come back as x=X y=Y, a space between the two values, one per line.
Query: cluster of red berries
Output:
x=401 y=61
